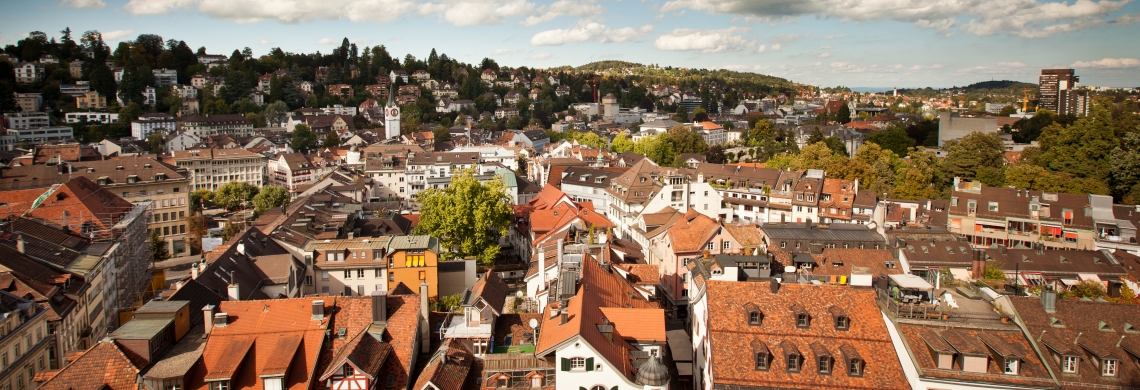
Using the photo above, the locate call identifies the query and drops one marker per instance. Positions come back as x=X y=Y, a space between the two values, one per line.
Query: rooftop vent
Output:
x=221 y=320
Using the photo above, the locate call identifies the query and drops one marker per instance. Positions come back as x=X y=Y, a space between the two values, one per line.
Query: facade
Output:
x=26 y=120
x=29 y=72
x=952 y=127
x=91 y=100
x=92 y=117
x=165 y=78
x=1012 y=216
x=1052 y=87
x=26 y=343
x=291 y=170
x=29 y=102
x=209 y=125
x=585 y=184
x=148 y=123
x=211 y=168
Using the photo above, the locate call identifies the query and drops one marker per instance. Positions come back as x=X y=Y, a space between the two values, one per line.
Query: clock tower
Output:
x=391 y=118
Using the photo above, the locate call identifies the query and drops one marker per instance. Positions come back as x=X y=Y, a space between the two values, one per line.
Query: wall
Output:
x=954 y=127
x=606 y=377
x=410 y=276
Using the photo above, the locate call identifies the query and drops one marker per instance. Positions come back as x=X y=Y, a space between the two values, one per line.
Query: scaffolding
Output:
x=514 y=371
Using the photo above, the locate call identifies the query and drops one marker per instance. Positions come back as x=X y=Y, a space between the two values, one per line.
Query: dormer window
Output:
x=1010 y=366
x=803 y=321
x=825 y=364
x=855 y=367
x=755 y=318
x=762 y=361
x=993 y=207
x=1109 y=367
x=842 y=323
x=794 y=360
x=1069 y=364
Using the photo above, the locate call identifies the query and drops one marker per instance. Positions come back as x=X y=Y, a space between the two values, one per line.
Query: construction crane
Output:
x=1025 y=100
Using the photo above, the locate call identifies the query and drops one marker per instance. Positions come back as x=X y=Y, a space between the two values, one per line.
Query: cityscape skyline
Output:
x=806 y=42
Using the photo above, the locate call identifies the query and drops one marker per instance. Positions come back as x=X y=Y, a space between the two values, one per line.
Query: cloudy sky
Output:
x=857 y=43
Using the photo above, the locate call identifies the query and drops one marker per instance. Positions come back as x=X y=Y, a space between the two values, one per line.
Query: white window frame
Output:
x=1110 y=367
x=1069 y=364
x=1010 y=367
x=577 y=364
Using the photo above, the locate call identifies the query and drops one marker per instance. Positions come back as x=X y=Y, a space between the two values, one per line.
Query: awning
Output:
x=1071 y=235
x=1084 y=277
x=909 y=281
x=1069 y=281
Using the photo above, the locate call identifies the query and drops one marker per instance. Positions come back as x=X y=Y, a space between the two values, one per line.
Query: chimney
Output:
x=318 y=309
x=774 y=285
x=241 y=248
x=1049 y=300
x=425 y=346
x=194 y=271
x=234 y=292
x=559 y=254
x=20 y=243
x=379 y=307
x=207 y=318
x=221 y=320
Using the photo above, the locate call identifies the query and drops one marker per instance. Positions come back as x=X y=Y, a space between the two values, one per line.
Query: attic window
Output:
x=803 y=320
x=118 y=167
x=1056 y=323
x=755 y=318
x=1104 y=327
x=1128 y=328
x=842 y=323
x=855 y=367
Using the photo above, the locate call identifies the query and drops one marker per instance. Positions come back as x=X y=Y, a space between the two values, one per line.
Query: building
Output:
x=211 y=168
x=473 y=327
x=147 y=123
x=26 y=120
x=952 y=126
x=75 y=90
x=29 y=72
x=29 y=102
x=1053 y=87
x=26 y=339
x=291 y=170
x=209 y=125
x=40 y=135
x=813 y=238
x=1014 y=216
x=584 y=184
x=757 y=335
x=413 y=260
x=90 y=100
x=92 y=117
x=165 y=78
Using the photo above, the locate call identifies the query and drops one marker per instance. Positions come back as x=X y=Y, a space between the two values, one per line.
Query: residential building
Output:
x=75 y=90
x=208 y=125
x=291 y=170
x=184 y=91
x=92 y=117
x=952 y=126
x=473 y=326
x=211 y=168
x=451 y=367
x=403 y=75
x=1014 y=216
x=26 y=339
x=40 y=135
x=75 y=68
x=90 y=100
x=59 y=292
x=165 y=78
x=118 y=372
x=1117 y=231
x=814 y=238
x=754 y=335
x=29 y=72
x=1053 y=87
x=413 y=260
x=136 y=179
x=585 y=184
x=29 y=102
x=387 y=166
x=26 y=120
x=349 y=267
x=147 y=123
x=434 y=169
x=1058 y=269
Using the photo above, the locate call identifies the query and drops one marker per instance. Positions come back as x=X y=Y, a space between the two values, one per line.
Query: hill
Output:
x=670 y=75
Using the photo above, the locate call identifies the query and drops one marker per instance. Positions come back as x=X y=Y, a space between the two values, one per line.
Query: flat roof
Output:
x=141 y=329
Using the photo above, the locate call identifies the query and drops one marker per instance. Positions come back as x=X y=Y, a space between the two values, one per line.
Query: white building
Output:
x=211 y=168
x=147 y=123
x=92 y=117
x=165 y=78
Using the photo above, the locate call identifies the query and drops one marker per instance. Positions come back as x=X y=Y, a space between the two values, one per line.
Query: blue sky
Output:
x=857 y=43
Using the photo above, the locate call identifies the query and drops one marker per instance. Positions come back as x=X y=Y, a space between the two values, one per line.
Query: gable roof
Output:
x=102 y=367
x=448 y=367
x=491 y=289
x=691 y=232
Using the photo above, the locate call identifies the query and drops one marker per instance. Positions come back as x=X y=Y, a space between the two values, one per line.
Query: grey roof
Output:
x=586 y=176
x=413 y=242
x=141 y=329
x=180 y=358
x=807 y=231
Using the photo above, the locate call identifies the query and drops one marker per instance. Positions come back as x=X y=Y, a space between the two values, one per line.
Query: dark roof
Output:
x=491 y=289
x=589 y=177
x=1089 y=330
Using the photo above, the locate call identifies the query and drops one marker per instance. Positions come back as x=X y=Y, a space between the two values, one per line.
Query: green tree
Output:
x=304 y=140
x=715 y=155
x=893 y=138
x=843 y=115
x=157 y=245
x=1125 y=163
x=274 y=113
x=270 y=197
x=234 y=194
x=973 y=153
x=700 y=114
x=154 y=140
x=836 y=145
x=200 y=198
x=621 y=144
x=816 y=136
x=919 y=177
x=993 y=272
x=331 y=139
x=1090 y=289
x=232 y=229
x=1007 y=111
x=1081 y=149
x=682 y=114
x=468 y=217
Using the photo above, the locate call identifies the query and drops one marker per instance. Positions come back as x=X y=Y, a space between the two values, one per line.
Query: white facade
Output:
x=143 y=126
x=92 y=117
x=602 y=374
x=391 y=120
x=165 y=78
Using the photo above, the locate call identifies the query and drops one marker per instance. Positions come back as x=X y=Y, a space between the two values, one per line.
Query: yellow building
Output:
x=413 y=260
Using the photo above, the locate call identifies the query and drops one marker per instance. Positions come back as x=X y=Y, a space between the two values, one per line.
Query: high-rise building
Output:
x=1057 y=91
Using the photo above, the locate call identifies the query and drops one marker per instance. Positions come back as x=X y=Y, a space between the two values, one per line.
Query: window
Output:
x=754 y=318
x=348 y=274
x=1010 y=366
x=308 y=280
x=824 y=365
x=855 y=367
x=1069 y=364
x=727 y=245
x=794 y=363
x=378 y=273
x=762 y=361
x=577 y=363
x=842 y=323
x=391 y=277
x=1109 y=367
x=783 y=245
x=712 y=246
x=423 y=275
x=803 y=321
x=993 y=207
x=360 y=273
x=324 y=275
x=220 y=385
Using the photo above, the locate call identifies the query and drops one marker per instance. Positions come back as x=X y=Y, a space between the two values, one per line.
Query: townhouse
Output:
x=61 y=293
x=26 y=340
x=208 y=125
x=1013 y=216
x=292 y=170
x=147 y=123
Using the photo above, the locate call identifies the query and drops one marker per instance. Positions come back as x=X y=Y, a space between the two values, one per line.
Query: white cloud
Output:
x=539 y=56
x=581 y=9
x=116 y=35
x=834 y=36
x=825 y=47
x=477 y=12
x=589 y=32
x=789 y=38
x=329 y=41
x=1025 y=18
x=1109 y=63
x=925 y=67
x=1125 y=20
x=295 y=11
x=501 y=52
x=265 y=42
x=776 y=47
x=84 y=3
x=706 y=41
x=1000 y=68
x=824 y=55
x=1014 y=64
x=762 y=48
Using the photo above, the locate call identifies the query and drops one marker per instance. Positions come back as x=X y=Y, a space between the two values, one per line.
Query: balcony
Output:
x=457 y=326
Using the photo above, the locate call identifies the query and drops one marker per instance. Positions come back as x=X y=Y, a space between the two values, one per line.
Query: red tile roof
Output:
x=692 y=232
x=103 y=367
x=448 y=368
x=75 y=203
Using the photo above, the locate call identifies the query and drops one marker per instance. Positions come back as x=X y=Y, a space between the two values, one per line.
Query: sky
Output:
x=854 y=43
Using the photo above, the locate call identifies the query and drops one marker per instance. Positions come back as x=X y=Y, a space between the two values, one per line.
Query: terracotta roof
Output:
x=103 y=367
x=747 y=235
x=838 y=261
x=641 y=325
x=733 y=341
x=641 y=273
x=692 y=232
x=76 y=203
x=491 y=289
x=448 y=367
x=1089 y=330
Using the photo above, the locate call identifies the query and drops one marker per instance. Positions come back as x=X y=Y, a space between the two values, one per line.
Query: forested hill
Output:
x=657 y=74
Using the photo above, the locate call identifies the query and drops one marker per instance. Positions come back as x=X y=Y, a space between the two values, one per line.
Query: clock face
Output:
x=394 y=112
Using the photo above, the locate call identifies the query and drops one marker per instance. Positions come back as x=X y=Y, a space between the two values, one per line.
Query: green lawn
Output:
x=519 y=348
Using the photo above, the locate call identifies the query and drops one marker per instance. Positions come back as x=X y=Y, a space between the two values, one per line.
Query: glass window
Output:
x=793 y=362
x=761 y=361
x=1010 y=366
x=824 y=365
x=855 y=367
x=577 y=363
x=1109 y=367
x=1069 y=364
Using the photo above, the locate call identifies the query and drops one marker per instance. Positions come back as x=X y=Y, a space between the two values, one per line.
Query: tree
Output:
x=196 y=229
x=1081 y=149
x=468 y=217
x=234 y=194
x=1090 y=289
x=1125 y=163
x=270 y=197
x=232 y=229
x=976 y=151
x=154 y=140
x=200 y=198
x=331 y=139
x=715 y=155
x=1007 y=111
x=893 y=138
x=274 y=113
x=836 y=145
x=682 y=114
x=816 y=136
x=993 y=272
x=621 y=144
x=843 y=115
x=304 y=140
x=158 y=247
x=700 y=114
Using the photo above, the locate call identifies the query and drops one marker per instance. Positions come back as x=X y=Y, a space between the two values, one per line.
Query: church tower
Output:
x=391 y=118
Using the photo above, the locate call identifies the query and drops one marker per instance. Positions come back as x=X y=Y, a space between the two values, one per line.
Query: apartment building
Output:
x=26 y=120
x=1014 y=216
x=165 y=78
x=351 y=267
x=147 y=123
x=211 y=168
x=29 y=72
x=434 y=169
x=91 y=100
x=291 y=170
x=209 y=125
x=26 y=344
x=29 y=102
x=387 y=166
x=92 y=117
